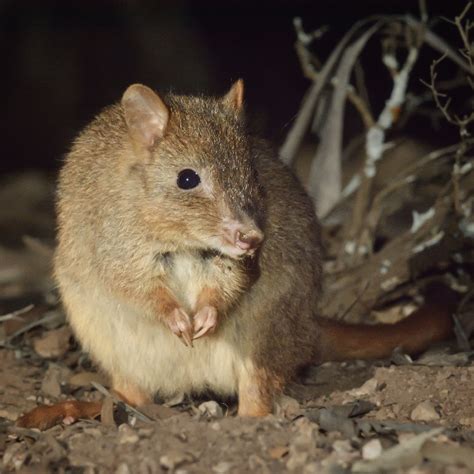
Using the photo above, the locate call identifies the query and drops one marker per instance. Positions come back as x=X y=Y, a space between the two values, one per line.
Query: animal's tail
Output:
x=431 y=323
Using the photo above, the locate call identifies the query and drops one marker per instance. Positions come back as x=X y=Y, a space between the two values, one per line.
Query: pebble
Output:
x=299 y=452
x=306 y=426
x=342 y=446
x=53 y=344
x=127 y=434
x=287 y=407
x=174 y=459
x=277 y=452
x=424 y=411
x=223 y=467
x=146 y=432
x=372 y=449
x=368 y=388
x=10 y=413
x=53 y=378
x=122 y=469
x=94 y=432
x=312 y=468
x=211 y=409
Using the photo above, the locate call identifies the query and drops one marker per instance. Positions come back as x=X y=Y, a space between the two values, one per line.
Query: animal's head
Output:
x=196 y=164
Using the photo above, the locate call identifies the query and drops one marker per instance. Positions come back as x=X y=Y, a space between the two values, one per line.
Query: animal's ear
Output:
x=234 y=99
x=145 y=114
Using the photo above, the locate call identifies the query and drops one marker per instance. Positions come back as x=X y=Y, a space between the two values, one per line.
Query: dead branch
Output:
x=356 y=231
x=361 y=280
x=443 y=101
x=310 y=64
x=439 y=44
x=325 y=173
x=397 y=263
x=305 y=114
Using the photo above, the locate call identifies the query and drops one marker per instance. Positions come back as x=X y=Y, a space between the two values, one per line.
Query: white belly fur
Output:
x=143 y=351
x=184 y=279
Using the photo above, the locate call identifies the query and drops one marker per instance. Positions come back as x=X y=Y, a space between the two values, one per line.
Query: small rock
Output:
x=368 y=388
x=343 y=453
x=211 y=409
x=223 y=467
x=174 y=459
x=306 y=426
x=424 y=411
x=342 y=446
x=54 y=377
x=296 y=460
x=287 y=407
x=312 y=468
x=53 y=344
x=278 y=452
x=122 y=469
x=299 y=452
x=94 y=432
x=146 y=431
x=372 y=449
x=10 y=413
x=178 y=399
x=127 y=434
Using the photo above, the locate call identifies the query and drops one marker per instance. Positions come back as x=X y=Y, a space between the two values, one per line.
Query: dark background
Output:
x=62 y=61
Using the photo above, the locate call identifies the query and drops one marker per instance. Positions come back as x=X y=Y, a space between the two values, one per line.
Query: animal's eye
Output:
x=188 y=179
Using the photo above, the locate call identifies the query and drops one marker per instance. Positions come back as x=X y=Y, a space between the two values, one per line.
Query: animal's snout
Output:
x=246 y=237
x=249 y=240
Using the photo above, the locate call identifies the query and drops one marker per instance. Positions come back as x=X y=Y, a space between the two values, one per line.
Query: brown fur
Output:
x=134 y=249
x=431 y=323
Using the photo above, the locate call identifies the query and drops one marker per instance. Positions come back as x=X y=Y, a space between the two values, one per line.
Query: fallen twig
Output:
x=16 y=314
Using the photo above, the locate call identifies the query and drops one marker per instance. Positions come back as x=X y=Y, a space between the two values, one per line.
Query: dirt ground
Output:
x=336 y=417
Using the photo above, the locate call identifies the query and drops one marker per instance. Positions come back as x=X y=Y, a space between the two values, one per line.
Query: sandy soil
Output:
x=312 y=431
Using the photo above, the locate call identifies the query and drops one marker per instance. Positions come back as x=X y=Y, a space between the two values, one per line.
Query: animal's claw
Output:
x=205 y=321
x=180 y=324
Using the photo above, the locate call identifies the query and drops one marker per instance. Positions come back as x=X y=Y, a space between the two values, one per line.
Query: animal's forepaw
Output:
x=180 y=324
x=205 y=321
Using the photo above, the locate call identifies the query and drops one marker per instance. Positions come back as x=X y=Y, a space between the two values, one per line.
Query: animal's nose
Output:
x=243 y=236
x=249 y=240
